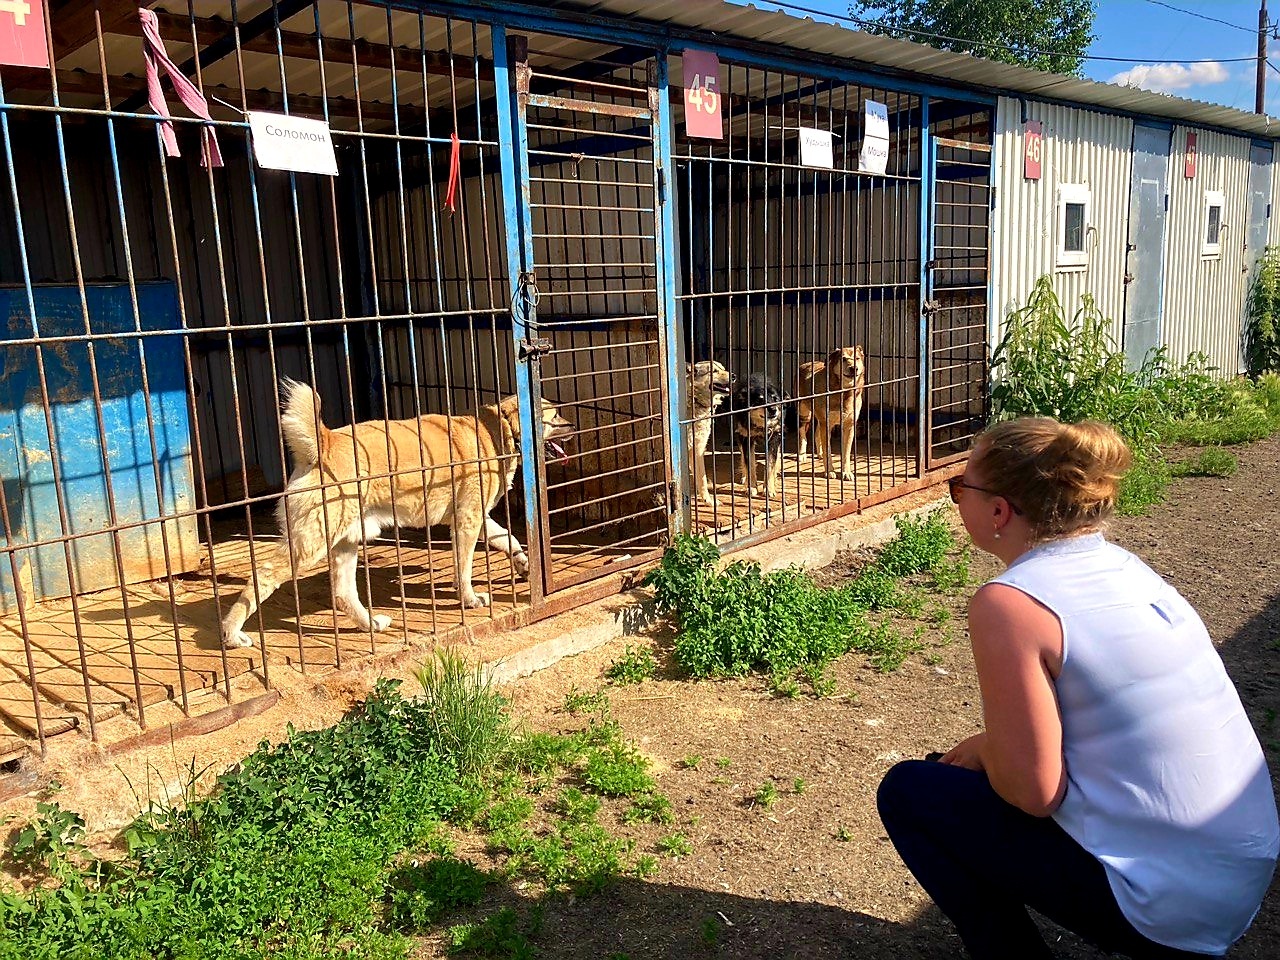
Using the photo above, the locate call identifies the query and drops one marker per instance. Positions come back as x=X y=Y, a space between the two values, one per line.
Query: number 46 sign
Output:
x=22 y=42
x=702 y=100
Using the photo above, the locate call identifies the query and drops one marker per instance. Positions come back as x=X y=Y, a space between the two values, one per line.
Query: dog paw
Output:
x=237 y=640
x=521 y=563
x=381 y=622
x=476 y=600
x=846 y=475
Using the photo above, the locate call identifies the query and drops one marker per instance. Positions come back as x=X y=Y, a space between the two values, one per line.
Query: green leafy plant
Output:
x=674 y=845
x=586 y=701
x=636 y=665
x=650 y=808
x=330 y=843
x=1212 y=462
x=767 y=795
x=739 y=619
x=1262 y=323
x=420 y=893
x=1047 y=365
x=576 y=806
x=618 y=770
x=499 y=937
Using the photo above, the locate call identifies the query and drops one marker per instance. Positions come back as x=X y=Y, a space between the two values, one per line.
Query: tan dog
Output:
x=825 y=387
x=709 y=384
x=447 y=470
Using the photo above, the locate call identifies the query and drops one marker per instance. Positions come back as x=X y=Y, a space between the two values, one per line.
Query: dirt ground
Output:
x=814 y=875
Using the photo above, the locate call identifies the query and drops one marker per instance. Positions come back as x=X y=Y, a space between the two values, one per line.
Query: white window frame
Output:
x=1213 y=198
x=1079 y=194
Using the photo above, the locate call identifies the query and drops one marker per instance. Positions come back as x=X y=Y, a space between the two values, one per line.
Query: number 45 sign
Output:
x=22 y=42
x=702 y=100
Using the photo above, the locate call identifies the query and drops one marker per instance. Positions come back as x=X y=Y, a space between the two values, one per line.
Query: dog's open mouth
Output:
x=721 y=387
x=553 y=451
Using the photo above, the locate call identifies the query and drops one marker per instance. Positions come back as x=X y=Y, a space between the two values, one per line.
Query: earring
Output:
x=997 y=535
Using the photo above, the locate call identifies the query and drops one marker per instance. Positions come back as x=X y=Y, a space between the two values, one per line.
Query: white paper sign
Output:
x=874 y=156
x=815 y=148
x=875 y=120
x=293 y=143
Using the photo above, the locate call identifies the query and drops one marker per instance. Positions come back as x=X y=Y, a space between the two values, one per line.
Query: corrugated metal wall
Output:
x=1080 y=146
x=1204 y=298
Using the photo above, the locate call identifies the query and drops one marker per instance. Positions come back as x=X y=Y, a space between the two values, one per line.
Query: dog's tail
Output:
x=305 y=434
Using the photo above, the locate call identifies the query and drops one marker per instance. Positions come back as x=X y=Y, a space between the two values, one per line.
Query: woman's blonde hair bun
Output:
x=1065 y=477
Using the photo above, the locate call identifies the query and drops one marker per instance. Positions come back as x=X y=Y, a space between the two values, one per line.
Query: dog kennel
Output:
x=518 y=209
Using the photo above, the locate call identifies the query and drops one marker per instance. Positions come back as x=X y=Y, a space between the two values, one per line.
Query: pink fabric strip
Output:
x=153 y=51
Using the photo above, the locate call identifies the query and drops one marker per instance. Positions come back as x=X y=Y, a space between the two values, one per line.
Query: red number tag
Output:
x=702 y=100
x=1033 y=144
x=22 y=42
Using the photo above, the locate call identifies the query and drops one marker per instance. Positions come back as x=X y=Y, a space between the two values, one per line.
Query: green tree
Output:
x=1050 y=35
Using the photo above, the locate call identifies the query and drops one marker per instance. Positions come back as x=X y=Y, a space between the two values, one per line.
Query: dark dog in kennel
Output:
x=759 y=414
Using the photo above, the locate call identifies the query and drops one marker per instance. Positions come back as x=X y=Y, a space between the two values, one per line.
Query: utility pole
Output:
x=1260 y=100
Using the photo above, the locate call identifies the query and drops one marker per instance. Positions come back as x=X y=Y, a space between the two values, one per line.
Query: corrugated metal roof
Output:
x=923 y=62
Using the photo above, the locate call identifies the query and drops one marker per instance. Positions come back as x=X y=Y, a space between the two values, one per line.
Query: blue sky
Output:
x=1153 y=37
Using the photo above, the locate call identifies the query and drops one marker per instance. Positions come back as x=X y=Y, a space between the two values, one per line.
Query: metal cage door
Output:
x=592 y=188
x=956 y=298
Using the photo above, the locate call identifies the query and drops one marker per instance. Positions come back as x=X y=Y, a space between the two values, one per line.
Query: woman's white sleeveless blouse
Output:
x=1167 y=784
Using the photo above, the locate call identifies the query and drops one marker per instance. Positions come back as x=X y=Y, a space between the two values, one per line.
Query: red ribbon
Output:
x=155 y=57
x=455 y=168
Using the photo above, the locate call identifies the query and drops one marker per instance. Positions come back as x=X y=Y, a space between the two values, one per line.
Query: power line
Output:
x=991 y=44
x=1192 y=13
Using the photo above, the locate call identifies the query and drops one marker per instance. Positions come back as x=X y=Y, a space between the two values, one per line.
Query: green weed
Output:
x=617 y=770
x=767 y=795
x=636 y=666
x=586 y=701
x=419 y=894
x=1073 y=370
x=576 y=806
x=674 y=845
x=650 y=808
x=1212 y=462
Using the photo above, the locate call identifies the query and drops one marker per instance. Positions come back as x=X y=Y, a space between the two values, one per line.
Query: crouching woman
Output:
x=1118 y=787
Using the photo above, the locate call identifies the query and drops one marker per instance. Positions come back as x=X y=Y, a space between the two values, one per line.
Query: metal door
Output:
x=955 y=307
x=592 y=188
x=1144 y=262
x=1255 y=241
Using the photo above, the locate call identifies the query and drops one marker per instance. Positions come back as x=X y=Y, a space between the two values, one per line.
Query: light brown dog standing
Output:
x=826 y=387
x=709 y=384
x=350 y=483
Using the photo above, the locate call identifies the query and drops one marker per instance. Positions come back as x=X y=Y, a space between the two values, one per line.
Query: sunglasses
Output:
x=956 y=484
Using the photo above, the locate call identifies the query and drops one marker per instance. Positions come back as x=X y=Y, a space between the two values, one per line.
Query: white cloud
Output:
x=1168 y=77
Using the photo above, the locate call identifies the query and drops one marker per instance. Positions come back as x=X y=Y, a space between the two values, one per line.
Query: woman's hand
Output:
x=967 y=753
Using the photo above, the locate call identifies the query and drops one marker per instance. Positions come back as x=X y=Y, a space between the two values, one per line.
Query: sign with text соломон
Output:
x=282 y=142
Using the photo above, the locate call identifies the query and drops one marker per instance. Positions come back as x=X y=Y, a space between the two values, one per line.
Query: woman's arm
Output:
x=1016 y=644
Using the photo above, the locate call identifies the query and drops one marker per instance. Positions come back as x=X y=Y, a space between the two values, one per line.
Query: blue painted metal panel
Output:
x=84 y=453
x=668 y=310
x=513 y=143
